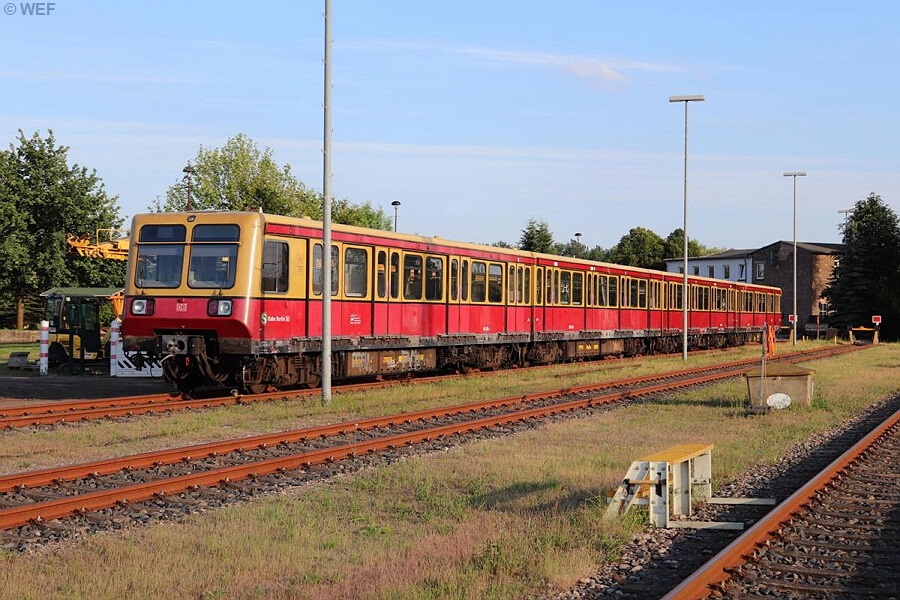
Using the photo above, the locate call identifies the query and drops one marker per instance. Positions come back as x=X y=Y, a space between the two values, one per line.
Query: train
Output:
x=235 y=299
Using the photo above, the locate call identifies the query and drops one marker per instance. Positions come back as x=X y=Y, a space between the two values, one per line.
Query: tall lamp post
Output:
x=578 y=245
x=188 y=172
x=795 y=175
x=396 y=205
x=684 y=291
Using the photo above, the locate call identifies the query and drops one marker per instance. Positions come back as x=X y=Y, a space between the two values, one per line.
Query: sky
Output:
x=478 y=116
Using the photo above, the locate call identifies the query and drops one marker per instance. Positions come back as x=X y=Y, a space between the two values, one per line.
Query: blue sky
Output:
x=477 y=115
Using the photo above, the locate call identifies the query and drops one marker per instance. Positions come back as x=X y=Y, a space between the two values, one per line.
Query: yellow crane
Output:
x=112 y=247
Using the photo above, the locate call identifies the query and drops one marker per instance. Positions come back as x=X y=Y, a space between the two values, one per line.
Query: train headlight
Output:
x=219 y=307
x=143 y=306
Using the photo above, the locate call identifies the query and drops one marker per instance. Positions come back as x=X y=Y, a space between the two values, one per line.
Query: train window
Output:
x=603 y=291
x=565 y=288
x=511 y=282
x=159 y=265
x=539 y=286
x=495 y=283
x=412 y=277
x=318 y=281
x=552 y=287
x=274 y=266
x=213 y=265
x=216 y=233
x=653 y=297
x=525 y=284
x=356 y=272
x=381 y=274
x=639 y=293
x=479 y=281
x=395 y=275
x=163 y=233
x=454 y=280
x=434 y=271
x=676 y=296
x=760 y=302
x=614 y=290
x=577 y=289
x=464 y=283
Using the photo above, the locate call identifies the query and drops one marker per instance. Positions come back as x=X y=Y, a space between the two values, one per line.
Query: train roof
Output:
x=432 y=240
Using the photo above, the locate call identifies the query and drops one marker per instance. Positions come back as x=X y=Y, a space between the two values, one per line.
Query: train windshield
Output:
x=160 y=256
x=212 y=263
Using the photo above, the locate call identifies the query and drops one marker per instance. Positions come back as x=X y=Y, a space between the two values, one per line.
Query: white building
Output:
x=733 y=265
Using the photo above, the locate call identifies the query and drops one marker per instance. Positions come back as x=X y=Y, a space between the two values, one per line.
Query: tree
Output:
x=536 y=237
x=361 y=215
x=640 y=247
x=42 y=199
x=239 y=176
x=866 y=280
x=674 y=245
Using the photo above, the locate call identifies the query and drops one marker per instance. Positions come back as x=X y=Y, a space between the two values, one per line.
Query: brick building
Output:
x=774 y=265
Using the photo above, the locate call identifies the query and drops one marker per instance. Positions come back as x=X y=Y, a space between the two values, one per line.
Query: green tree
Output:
x=866 y=281
x=42 y=199
x=536 y=237
x=640 y=247
x=674 y=246
x=239 y=176
x=361 y=215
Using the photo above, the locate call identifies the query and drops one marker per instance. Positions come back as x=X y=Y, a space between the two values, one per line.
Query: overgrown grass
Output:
x=502 y=518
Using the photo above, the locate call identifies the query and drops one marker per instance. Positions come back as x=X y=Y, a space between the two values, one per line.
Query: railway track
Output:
x=50 y=413
x=836 y=537
x=34 y=499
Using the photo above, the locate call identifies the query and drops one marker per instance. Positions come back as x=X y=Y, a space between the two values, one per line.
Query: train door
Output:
x=518 y=298
x=382 y=296
x=537 y=313
x=455 y=294
x=655 y=303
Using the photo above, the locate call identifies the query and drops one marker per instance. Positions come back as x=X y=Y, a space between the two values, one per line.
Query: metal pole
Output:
x=684 y=286
x=396 y=205
x=795 y=175
x=326 y=219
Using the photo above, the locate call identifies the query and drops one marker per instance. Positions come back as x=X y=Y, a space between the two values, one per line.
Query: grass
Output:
x=503 y=518
x=33 y=350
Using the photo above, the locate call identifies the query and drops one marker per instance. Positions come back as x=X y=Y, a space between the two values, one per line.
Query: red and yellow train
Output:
x=235 y=299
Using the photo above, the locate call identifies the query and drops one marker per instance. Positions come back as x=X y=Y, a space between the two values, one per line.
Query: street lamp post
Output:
x=795 y=175
x=396 y=205
x=684 y=291
x=578 y=245
x=188 y=172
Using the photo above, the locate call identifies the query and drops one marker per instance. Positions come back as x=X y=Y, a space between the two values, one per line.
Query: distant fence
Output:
x=19 y=336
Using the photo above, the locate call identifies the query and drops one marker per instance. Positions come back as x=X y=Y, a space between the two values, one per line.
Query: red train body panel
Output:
x=235 y=298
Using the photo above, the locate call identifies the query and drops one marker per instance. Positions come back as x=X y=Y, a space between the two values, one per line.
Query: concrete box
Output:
x=796 y=382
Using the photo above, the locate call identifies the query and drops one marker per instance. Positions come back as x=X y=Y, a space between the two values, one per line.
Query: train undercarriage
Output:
x=194 y=361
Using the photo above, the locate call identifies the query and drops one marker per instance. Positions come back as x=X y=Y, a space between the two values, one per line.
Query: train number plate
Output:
x=181 y=307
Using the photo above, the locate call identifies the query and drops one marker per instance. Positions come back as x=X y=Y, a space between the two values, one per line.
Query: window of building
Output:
x=696 y=270
x=726 y=271
x=760 y=270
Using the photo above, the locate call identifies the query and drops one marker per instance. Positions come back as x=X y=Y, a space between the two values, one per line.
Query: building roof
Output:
x=814 y=247
x=723 y=255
